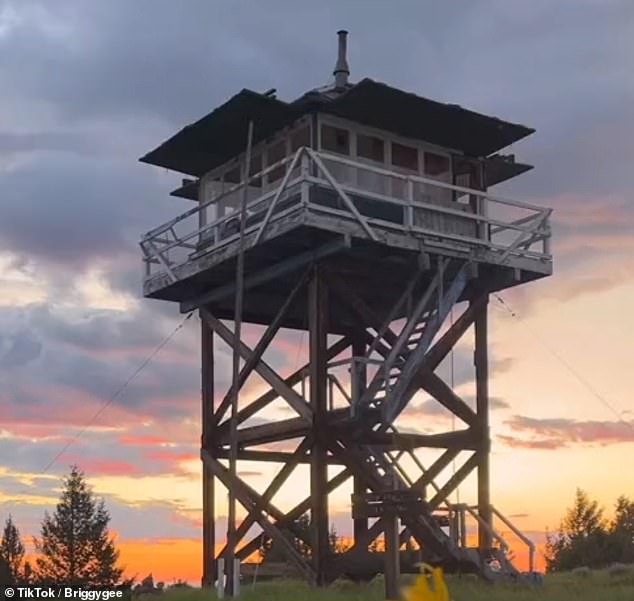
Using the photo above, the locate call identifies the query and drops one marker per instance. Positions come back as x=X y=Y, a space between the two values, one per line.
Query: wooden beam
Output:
x=261 y=346
x=296 y=512
x=285 y=429
x=318 y=343
x=249 y=499
x=485 y=540
x=275 y=381
x=454 y=481
x=359 y=379
x=434 y=469
x=209 y=530
x=277 y=482
x=270 y=273
x=443 y=393
x=458 y=439
x=270 y=395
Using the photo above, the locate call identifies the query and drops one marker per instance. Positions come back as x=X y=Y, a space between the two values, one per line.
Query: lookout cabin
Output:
x=364 y=172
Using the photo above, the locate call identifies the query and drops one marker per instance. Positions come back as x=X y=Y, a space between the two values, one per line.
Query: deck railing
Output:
x=377 y=200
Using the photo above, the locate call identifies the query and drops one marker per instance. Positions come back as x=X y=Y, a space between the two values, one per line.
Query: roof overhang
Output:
x=221 y=135
x=500 y=168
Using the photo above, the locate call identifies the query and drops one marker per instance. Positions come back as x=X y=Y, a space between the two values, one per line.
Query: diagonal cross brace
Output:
x=260 y=347
x=265 y=370
x=249 y=499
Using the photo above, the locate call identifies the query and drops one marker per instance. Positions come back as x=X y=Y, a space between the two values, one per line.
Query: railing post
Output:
x=483 y=213
x=409 y=211
x=547 y=240
x=305 y=172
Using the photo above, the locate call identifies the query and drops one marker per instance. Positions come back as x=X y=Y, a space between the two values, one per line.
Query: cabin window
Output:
x=300 y=137
x=335 y=139
x=437 y=166
x=370 y=147
x=275 y=153
x=405 y=157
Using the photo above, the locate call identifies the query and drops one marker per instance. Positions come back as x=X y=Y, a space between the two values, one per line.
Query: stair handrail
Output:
x=527 y=541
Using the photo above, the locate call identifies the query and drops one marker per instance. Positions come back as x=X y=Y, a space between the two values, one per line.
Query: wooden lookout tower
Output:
x=369 y=225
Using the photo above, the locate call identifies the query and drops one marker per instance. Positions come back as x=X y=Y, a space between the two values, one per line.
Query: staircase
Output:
x=389 y=390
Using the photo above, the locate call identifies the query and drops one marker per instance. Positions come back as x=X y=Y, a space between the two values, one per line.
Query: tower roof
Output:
x=221 y=135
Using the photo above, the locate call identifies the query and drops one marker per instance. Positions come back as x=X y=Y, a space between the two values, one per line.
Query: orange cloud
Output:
x=554 y=433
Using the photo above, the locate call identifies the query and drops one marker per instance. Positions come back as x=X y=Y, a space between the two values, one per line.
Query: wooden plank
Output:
x=275 y=381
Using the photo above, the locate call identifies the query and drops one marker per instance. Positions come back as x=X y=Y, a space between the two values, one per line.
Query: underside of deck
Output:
x=376 y=270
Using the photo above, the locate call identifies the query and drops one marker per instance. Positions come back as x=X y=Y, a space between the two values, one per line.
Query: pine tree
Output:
x=582 y=538
x=75 y=546
x=622 y=531
x=12 y=550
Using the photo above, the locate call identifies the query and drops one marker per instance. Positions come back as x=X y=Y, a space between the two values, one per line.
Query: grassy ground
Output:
x=596 y=586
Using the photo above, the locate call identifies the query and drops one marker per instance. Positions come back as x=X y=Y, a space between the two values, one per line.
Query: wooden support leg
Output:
x=318 y=343
x=482 y=406
x=359 y=525
x=209 y=533
x=392 y=564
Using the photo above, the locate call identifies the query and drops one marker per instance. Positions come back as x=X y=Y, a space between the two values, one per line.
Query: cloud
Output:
x=556 y=433
x=89 y=87
x=432 y=408
x=23 y=348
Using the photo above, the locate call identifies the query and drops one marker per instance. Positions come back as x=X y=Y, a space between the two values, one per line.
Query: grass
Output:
x=615 y=585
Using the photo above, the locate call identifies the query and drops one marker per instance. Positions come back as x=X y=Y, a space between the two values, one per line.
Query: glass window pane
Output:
x=335 y=139
x=370 y=147
x=405 y=157
x=437 y=165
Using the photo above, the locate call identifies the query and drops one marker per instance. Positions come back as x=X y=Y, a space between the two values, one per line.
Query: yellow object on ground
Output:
x=429 y=586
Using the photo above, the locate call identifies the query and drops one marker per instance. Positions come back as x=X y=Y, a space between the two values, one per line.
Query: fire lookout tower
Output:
x=369 y=225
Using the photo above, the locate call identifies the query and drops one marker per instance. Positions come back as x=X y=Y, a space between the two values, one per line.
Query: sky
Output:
x=87 y=87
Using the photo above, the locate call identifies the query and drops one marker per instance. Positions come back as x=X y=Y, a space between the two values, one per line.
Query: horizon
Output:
x=89 y=88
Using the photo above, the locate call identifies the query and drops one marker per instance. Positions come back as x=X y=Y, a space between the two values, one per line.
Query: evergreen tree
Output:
x=582 y=538
x=12 y=550
x=622 y=531
x=75 y=546
x=5 y=574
